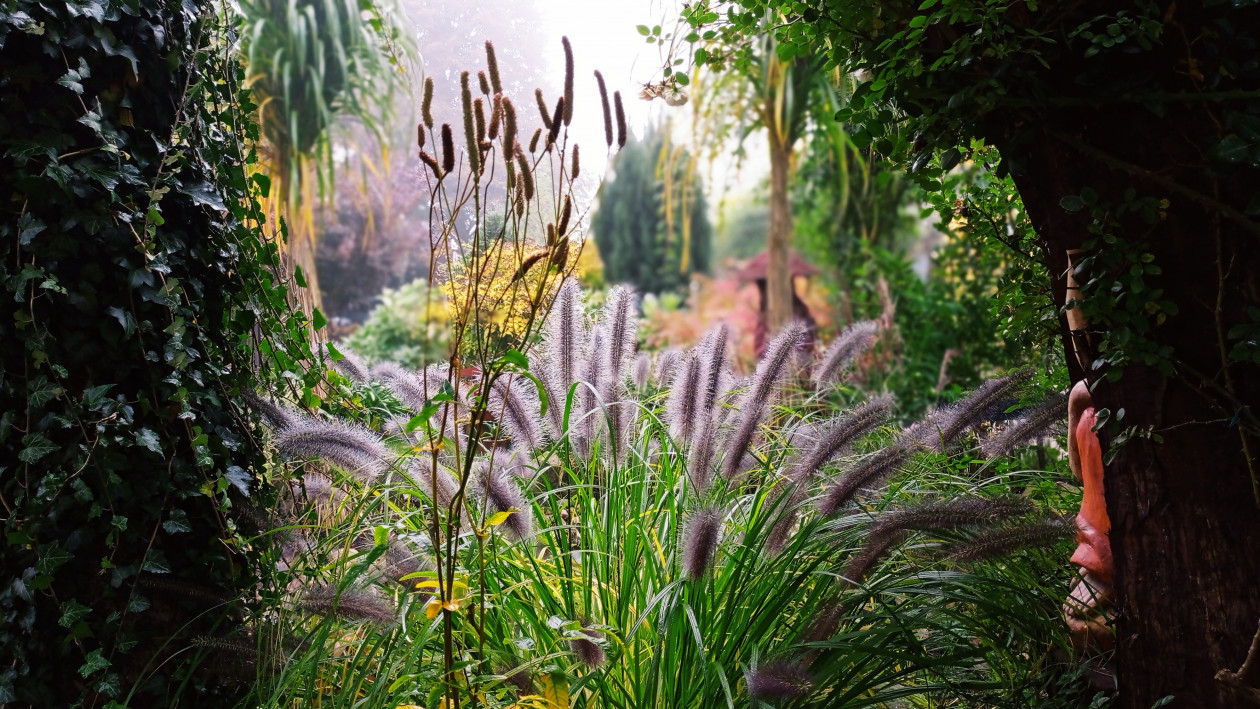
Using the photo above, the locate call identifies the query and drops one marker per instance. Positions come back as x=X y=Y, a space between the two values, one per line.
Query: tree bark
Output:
x=1180 y=492
x=779 y=238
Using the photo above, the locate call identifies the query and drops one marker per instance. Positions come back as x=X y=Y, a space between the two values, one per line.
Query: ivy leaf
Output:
x=72 y=612
x=51 y=558
x=28 y=228
x=35 y=446
x=204 y=194
x=239 y=477
x=318 y=321
x=95 y=662
x=147 y=438
x=177 y=523
x=1072 y=203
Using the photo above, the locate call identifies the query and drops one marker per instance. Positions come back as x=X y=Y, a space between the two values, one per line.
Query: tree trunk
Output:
x=779 y=238
x=1181 y=490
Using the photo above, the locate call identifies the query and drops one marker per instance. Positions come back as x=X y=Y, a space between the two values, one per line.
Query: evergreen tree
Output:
x=652 y=225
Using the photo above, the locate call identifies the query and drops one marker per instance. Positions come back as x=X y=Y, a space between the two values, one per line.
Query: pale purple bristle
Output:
x=835 y=436
x=780 y=681
x=350 y=604
x=350 y=366
x=1031 y=427
x=356 y=450
x=871 y=470
x=756 y=400
x=642 y=371
x=682 y=407
x=700 y=541
x=515 y=410
x=844 y=350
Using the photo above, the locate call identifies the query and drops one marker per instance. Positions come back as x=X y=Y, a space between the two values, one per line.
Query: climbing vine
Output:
x=141 y=299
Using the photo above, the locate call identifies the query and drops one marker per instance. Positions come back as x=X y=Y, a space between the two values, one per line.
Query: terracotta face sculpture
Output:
x=1087 y=607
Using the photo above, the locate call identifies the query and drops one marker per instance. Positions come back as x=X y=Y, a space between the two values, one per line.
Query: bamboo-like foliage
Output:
x=311 y=62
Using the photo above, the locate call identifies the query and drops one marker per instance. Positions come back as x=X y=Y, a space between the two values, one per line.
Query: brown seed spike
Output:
x=533 y=142
x=492 y=64
x=420 y=135
x=568 y=80
x=426 y=105
x=427 y=159
x=527 y=177
x=448 y=149
x=565 y=213
x=509 y=128
x=542 y=109
x=483 y=83
x=603 y=102
x=479 y=118
x=621 y=120
x=496 y=113
x=472 y=143
x=577 y=165
x=520 y=198
x=557 y=119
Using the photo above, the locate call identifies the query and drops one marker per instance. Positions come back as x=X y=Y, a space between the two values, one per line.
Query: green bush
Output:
x=409 y=326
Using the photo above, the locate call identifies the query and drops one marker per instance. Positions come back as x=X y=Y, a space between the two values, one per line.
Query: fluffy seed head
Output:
x=950 y=514
x=515 y=409
x=533 y=141
x=1000 y=542
x=682 y=408
x=622 y=328
x=779 y=681
x=483 y=83
x=666 y=363
x=642 y=371
x=350 y=604
x=869 y=471
x=1037 y=422
x=479 y=118
x=557 y=120
x=350 y=366
x=587 y=647
x=279 y=416
x=496 y=115
x=700 y=541
x=502 y=494
x=566 y=212
x=877 y=547
x=756 y=402
x=838 y=434
x=472 y=142
x=356 y=450
x=846 y=348
x=944 y=426
x=713 y=355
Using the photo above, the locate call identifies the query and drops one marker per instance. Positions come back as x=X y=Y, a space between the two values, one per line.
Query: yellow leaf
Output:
x=499 y=518
x=555 y=688
x=431 y=611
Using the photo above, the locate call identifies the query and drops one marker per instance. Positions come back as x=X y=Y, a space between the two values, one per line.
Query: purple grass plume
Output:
x=756 y=401
x=666 y=364
x=869 y=471
x=834 y=437
x=844 y=350
x=712 y=353
x=779 y=681
x=877 y=547
x=951 y=514
x=587 y=646
x=350 y=604
x=565 y=338
x=502 y=494
x=682 y=408
x=702 y=453
x=408 y=386
x=700 y=541
x=789 y=499
x=516 y=411
x=351 y=365
x=279 y=416
x=356 y=450
x=1007 y=540
x=944 y=426
x=1052 y=411
x=621 y=328
x=642 y=371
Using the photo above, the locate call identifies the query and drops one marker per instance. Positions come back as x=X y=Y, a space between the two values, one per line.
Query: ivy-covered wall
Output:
x=139 y=303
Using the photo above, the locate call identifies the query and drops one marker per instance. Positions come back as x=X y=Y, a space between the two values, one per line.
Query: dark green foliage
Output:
x=638 y=241
x=139 y=303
